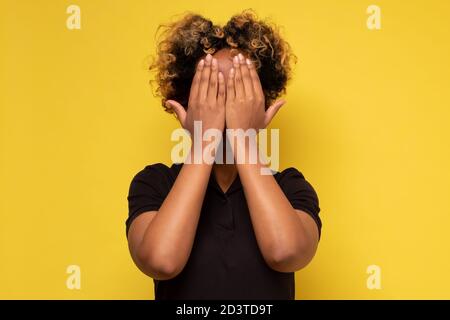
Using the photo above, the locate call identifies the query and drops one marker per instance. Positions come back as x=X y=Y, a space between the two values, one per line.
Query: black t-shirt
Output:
x=225 y=261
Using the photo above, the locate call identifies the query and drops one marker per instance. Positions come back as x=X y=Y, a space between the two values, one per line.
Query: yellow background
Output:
x=367 y=122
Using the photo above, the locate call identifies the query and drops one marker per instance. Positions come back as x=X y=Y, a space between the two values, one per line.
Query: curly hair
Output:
x=188 y=39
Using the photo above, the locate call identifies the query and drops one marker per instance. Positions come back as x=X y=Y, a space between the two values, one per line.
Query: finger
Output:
x=212 y=90
x=221 y=93
x=196 y=81
x=257 y=87
x=246 y=80
x=204 y=81
x=231 y=94
x=179 y=110
x=238 y=85
x=272 y=111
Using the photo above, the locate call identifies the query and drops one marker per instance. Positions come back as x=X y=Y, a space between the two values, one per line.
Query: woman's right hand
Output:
x=206 y=98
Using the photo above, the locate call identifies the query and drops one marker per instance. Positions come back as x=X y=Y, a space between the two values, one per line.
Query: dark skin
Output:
x=225 y=92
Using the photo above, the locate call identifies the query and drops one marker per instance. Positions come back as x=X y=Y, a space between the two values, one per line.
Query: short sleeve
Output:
x=147 y=191
x=300 y=194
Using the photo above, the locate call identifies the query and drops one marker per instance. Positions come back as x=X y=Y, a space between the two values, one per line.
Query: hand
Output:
x=244 y=106
x=206 y=98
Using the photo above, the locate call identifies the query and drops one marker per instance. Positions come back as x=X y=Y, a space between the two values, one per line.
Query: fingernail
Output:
x=201 y=63
x=231 y=72
x=214 y=63
x=241 y=58
x=208 y=57
x=249 y=62
x=236 y=62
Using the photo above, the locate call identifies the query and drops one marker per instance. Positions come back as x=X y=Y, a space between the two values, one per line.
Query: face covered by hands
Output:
x=225 y=94
x=206 y=98
x=245 y=104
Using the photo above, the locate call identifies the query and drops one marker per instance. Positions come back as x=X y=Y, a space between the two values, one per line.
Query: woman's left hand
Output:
x=245 y=104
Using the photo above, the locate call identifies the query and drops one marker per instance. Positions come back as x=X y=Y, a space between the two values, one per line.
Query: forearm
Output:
x=283 y=239
x=168 y=239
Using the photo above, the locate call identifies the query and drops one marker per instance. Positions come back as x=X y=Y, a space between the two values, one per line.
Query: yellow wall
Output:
x=367 y=122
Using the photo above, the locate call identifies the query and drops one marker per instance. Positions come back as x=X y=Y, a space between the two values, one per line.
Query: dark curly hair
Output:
x=183 y=42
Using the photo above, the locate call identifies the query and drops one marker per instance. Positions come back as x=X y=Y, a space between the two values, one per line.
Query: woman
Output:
x=222 y=231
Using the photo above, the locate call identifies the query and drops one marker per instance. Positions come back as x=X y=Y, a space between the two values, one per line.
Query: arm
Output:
x=160 y=242
x=287 y=237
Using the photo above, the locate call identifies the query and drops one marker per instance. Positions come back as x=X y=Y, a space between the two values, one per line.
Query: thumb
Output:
x=272 y=111
x=179 y=110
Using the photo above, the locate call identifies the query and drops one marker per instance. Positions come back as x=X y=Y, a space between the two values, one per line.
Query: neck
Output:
x=224 y=175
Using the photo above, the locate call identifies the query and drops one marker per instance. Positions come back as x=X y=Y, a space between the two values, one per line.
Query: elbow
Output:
x=163 y=270
x=280 y=260
x=289 y=259
x=158 y=267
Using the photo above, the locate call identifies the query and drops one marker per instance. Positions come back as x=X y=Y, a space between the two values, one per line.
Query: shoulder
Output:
x=148 y=189
x=295 y=185
x=288 y=173
x=159 y=170
x=157 y=174
x=290 y=176
x=300 y=193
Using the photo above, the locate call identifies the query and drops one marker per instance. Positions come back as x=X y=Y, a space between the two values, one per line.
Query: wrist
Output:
x=204 y=148
x=244 y=146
